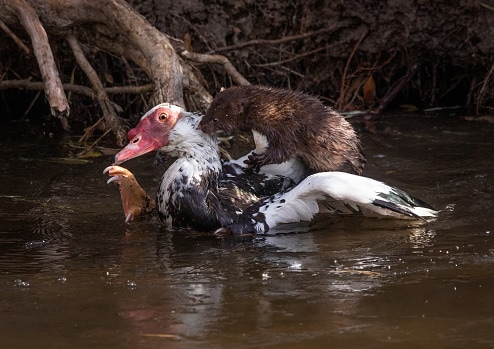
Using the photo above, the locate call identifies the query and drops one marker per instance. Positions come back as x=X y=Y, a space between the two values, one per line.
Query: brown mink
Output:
x=294 y=123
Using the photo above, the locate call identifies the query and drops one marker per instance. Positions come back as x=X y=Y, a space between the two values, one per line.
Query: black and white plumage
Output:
x=195 y=191
x=199 y=192
x=337 y=192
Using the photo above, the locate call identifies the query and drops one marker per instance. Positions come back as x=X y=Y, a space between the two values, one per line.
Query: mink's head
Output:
x=226 y=112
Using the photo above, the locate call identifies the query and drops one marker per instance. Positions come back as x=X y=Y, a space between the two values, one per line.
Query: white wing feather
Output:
x=363 y=194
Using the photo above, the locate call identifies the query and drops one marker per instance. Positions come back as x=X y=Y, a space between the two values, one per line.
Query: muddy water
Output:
x=74 y=275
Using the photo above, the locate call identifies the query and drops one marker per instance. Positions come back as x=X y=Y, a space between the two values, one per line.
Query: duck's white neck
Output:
x=187 y=182
x=192 y=145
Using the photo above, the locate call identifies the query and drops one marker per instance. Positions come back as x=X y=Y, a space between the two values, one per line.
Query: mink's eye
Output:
x=162 y=117
x=215 y=120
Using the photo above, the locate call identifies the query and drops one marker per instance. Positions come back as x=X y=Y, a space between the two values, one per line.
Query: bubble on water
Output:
x=131 y=284
x=20 y=283
x=295 y=265
x=35 y=244
x=450 y=207
x=62 y=279
x=265 y=276
x=422 y=238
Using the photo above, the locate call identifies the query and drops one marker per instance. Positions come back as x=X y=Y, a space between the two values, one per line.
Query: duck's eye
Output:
x=162 y=117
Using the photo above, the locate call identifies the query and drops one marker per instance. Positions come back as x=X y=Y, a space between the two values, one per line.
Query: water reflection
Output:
x=262 y=286
x=73 y=274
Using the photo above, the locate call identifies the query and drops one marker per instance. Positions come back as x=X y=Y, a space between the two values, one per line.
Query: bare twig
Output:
x=397 y=87
x=46 y=62
x=294 y=58
x=82 y=90
x=88 y=132
x=95 y=143
x=481 y=93
x=274 y=42
x=486 y=6
x=197 y=92
x=341 y=98
x=380 y=66
x=111 y=118
x=219 y=59
x=14 y=37
x=130 y=89
x=32 y=103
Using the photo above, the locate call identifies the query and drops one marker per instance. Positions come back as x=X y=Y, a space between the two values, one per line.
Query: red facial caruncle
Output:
x=151 y=133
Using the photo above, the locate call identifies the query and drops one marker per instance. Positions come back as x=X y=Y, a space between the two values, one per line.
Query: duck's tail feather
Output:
x=337 y=191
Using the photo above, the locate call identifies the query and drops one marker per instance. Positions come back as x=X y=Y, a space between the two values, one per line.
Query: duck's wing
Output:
x=339 y=191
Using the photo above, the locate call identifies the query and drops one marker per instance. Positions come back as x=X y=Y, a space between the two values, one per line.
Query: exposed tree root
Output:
x=396 y=88
x=341 y=99
x=483 y=89
x=109 y=114
x=274 y=41
x=46 y=62
x=225 y=62
x=113 y=26
x=350 y=60
x=14 y=37
x=79 y=89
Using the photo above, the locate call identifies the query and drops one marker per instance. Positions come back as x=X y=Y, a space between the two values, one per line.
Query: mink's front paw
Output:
x=254 y=163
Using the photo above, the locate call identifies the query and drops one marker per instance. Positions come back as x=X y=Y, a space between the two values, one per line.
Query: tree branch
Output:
x=14 y=37
x=397 y=87
x=82 y=90
x=225 y=62
x=481 y=93
x=341 y=98
x=116 y=27
x=109 y=113
x=53 y=85
x=276 y=41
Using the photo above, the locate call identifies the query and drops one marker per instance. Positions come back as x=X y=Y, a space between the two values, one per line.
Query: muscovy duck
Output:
x=197 y=191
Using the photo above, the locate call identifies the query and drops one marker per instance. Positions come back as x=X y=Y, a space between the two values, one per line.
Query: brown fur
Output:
x=294 y=123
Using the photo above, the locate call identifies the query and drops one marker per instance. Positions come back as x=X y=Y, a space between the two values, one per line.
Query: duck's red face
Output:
x=151 y=133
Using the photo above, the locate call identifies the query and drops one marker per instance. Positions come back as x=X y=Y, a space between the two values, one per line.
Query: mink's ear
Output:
x=238 y=106
x=241 y=105
x=222 y=89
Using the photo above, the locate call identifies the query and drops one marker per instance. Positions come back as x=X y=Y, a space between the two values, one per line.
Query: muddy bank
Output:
x=355 y=56
x=333 y=48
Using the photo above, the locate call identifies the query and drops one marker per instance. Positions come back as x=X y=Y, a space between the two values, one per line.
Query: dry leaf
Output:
x=369 y=91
